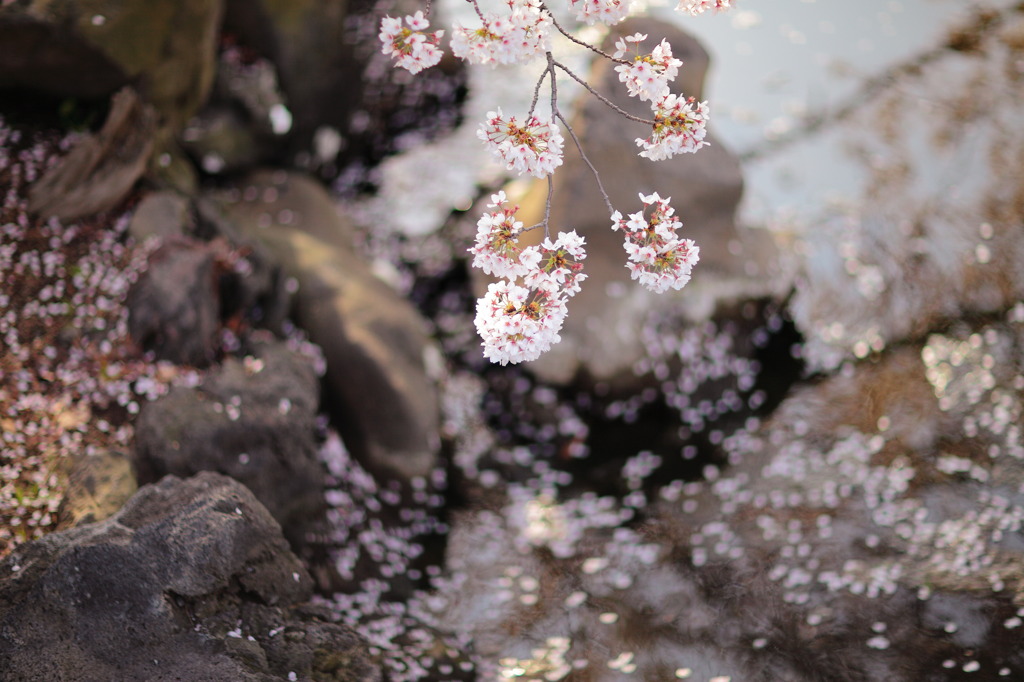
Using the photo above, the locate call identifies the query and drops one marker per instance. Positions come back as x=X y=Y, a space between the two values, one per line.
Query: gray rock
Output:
x=251 y=283
x=191 y=580
x=379 y=383
x=251 y=419
x=269 y=201
x=174 y=308
x=191 y=287
x=170 y=168
x=161 y=214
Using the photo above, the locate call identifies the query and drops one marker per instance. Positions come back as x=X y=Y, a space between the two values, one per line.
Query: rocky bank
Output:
x=246 y=437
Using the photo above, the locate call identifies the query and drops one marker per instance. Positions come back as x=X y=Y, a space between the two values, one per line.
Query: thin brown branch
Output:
x=597 y=176
x=601 y=97
x=570 y=37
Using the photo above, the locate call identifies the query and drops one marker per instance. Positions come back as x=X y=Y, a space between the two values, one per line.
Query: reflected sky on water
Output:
x=775 y=62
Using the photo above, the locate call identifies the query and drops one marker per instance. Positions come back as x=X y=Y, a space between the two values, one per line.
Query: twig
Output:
x=536 y=90
x=478 y=12
x=576 y=40
x=597 y=176
x=601 y=97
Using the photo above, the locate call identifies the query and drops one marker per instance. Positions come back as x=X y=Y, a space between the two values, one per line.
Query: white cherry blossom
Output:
x=496 y=251
x=410 y=47
x=535 y=147
x=558 y=263
x=648 y=75
x=518 y=323
x=679 y=127
x=608 y=12
x=658 y=258
x=696 y=7
x=515 y=38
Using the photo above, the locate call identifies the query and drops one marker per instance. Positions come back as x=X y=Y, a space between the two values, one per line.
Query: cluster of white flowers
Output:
x=514 y=38
x=518 y=322
x=696 y=7
x=658 y=258
x=535 y=147
x=608 y=12
x=557 y=264
x=497 y=234
x=410 y=47
x=680 y=125
x=520 y=317
x=648 y=75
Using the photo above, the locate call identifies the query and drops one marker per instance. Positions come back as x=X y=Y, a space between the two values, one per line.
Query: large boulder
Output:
x=380 y=361
x=252 y=419
x=89 y=48
x=200 y=278
x=191 y=580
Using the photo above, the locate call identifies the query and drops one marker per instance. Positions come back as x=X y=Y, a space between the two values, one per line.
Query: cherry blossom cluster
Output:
x=679 y=127
x=410 y=47
x=517 y=323
x=520 y=321
x=535 y=147
x=515 y=38
x=497 y=241
x=658 y=258
x=520 y=316
x=608 y=12
x=648 y=75
x=696 y=7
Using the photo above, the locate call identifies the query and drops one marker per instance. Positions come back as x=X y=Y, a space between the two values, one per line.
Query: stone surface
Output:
x=162 y=214
x=191 y=580
x=252 y=419
x=170 y=168
x=601 y=335
x=192 y=288
x=252 y=286
x=90 y=48
x=380 y=386
x=175 y=308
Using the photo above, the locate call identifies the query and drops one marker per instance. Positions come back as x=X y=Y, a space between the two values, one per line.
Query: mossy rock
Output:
x=90 y=48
